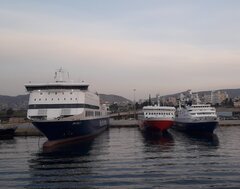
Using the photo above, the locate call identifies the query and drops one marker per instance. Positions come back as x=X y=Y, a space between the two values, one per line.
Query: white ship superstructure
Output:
x=65 y=104
x=195 y=118
x=197 y=113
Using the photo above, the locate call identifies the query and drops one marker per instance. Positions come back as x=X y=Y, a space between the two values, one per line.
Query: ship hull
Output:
x=155 y=126
x=196 y=127
x=66 y=131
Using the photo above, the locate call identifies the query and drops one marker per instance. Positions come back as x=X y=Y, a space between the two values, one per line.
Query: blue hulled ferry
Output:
x=65 y=111
x=195 y=118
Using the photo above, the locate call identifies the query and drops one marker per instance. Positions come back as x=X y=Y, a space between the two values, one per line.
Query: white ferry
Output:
x=64 y=111
x=199 y=118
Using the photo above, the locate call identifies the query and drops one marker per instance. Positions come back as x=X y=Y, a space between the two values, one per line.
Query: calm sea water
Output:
x=124 y=158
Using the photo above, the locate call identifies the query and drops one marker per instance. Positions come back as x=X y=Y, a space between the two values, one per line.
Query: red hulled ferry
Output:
x=156 y=118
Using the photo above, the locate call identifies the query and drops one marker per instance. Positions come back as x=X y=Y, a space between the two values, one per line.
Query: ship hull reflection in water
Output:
x=67 y=165
x=163 y=138
x=208 y=139
x=124 y=158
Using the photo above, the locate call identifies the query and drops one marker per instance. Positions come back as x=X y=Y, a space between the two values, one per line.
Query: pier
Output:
x=27 y=129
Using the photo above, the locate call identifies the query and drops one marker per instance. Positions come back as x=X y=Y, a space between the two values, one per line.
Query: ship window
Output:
x=35 y=99
x=52 y=99
x=39 y=99
x=64 y=98
x=58 y=99
x=63 y=93
x=41 y=93
x=55 y=93
x=71 y=93
x=97 y=113
x=70 y=98
x=45 y=99
x=75 y=98
x=89 y=113
x=48 y=93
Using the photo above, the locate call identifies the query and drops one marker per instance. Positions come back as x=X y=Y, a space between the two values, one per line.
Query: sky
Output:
x=154 y=46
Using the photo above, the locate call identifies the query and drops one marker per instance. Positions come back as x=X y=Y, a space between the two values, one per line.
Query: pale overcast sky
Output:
x=153 y=46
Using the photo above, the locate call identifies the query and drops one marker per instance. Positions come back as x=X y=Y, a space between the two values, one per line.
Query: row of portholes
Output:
x=91 y=113
x=53 y=99
x=56 y=93
x=159 y=114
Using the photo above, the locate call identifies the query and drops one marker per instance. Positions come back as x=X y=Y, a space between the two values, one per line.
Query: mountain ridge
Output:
x=21 y=101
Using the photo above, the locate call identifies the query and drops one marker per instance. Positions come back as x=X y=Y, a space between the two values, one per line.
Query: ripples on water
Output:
x=124 y=158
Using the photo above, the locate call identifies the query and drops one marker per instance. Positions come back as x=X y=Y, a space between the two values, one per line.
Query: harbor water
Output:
x=124 y=158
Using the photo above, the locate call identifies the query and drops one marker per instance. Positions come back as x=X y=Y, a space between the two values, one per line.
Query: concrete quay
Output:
x=27 y=129
x=123 y=123
x=229 y=122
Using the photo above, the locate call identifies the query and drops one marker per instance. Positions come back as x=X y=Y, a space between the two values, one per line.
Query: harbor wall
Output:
x=27 y=129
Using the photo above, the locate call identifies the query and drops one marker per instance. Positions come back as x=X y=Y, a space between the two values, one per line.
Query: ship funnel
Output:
x=158 y=99
x=61 y=76
x=197 y=99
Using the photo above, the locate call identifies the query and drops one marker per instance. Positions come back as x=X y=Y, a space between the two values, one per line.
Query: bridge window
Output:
x=89 y=113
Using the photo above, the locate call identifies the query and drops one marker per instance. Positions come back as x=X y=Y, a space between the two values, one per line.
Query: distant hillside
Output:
x=15 y=102
x=113 y=99
x=231 y=92
x=21 y=101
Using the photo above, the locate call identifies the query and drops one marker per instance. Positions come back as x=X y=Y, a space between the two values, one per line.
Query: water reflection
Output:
x=4 y=142
x=165 y=138
x=56 y=167
x=70 y=149
x=207 y=140
x=124 y=158
x=200 y=139
x=158 y=143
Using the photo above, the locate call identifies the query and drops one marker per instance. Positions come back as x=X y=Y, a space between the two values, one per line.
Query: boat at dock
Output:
x=196 y=118
x=65 y=111
x=156 y=119
x=7 y=131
